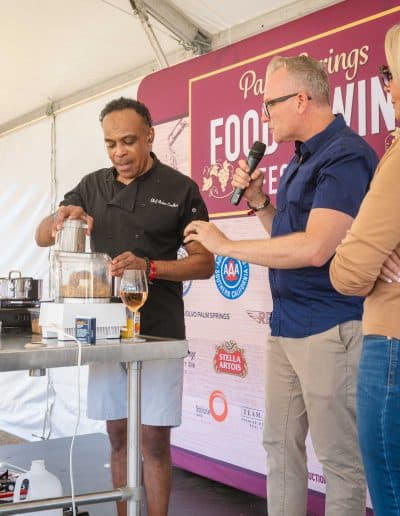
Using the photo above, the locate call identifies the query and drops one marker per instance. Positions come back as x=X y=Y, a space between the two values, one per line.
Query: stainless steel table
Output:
x=14 y=356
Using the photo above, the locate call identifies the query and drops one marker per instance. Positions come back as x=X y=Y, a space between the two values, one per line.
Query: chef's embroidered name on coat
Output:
x=164 y=203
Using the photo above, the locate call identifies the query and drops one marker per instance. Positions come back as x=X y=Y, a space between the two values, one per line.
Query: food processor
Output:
x=82 y=286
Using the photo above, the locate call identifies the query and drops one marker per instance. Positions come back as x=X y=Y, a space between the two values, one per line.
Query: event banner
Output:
x=222 y=96
x=207 y=113
x=225 y=106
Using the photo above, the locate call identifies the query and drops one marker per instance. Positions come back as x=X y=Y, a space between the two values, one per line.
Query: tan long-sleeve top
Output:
x=375 y=233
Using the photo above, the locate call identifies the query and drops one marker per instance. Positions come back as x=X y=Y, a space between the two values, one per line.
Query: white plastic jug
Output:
x=42 y=484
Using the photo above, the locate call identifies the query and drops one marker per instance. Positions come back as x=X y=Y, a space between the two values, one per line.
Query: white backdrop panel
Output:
x=25 y=197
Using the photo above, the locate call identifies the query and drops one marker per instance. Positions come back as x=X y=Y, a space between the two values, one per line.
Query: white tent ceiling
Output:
x=57 y=52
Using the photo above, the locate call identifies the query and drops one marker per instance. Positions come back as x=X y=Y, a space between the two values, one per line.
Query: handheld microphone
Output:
x=254 y=158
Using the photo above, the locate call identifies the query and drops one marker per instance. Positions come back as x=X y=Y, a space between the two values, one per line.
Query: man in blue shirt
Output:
x=313 y=352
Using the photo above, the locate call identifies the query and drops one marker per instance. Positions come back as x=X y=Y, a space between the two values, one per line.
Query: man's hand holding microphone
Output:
x=246 y=181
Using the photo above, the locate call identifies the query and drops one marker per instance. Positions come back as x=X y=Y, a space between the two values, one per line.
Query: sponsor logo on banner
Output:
x=230 y=359
x=218 y=406
x=201 y=411
x=208 y=315
x=190 y=361
x=185 y=284
x=231 y=276
x=258 y=316
x=253 y=417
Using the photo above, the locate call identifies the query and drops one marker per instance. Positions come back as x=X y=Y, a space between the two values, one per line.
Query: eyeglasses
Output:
x=386 y=75
x=267 y=103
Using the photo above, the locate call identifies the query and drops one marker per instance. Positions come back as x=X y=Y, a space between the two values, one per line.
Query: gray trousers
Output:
x=311 y=385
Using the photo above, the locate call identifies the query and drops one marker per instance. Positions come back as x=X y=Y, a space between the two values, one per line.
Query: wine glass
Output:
x=133 y=292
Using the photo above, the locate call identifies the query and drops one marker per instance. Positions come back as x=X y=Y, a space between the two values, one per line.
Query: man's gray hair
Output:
x=310 y=74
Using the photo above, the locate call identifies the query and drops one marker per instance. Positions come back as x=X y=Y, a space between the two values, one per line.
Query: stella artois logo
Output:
x=229 y=359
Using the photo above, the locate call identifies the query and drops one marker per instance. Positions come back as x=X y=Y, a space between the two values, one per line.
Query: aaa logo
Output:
x=231 y=276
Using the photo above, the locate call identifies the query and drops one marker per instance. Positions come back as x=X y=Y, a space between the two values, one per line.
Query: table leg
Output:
x=134 y=442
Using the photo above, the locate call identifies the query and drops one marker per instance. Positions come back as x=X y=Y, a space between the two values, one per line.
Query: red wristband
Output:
x=153 y=271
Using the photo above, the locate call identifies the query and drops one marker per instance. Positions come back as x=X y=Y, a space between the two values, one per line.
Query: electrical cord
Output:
x=49 y=408
x=50 y=390
x=79 y=361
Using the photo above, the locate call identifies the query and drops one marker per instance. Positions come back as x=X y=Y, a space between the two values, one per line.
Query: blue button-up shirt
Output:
x=331 y=170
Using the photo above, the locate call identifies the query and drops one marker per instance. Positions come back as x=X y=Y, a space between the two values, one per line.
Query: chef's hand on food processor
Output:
x=126 y=260
x=74 y=213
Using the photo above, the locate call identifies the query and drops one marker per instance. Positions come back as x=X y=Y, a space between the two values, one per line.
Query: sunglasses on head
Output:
x=386 y=75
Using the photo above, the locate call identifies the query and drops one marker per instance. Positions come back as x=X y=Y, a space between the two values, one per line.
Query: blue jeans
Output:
x=378 y=421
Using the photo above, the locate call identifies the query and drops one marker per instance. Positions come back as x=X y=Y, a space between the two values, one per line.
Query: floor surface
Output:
x=192 y=495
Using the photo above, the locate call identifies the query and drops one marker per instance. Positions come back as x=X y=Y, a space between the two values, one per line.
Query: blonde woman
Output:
x=371 y=244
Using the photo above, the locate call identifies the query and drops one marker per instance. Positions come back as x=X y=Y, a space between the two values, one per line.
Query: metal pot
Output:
x=18 y=287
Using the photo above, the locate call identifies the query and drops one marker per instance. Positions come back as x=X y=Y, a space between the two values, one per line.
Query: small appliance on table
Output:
x=18 y=295
x=82 y=288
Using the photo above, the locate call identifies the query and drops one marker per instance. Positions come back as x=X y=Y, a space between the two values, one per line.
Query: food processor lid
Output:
x=82 y=256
